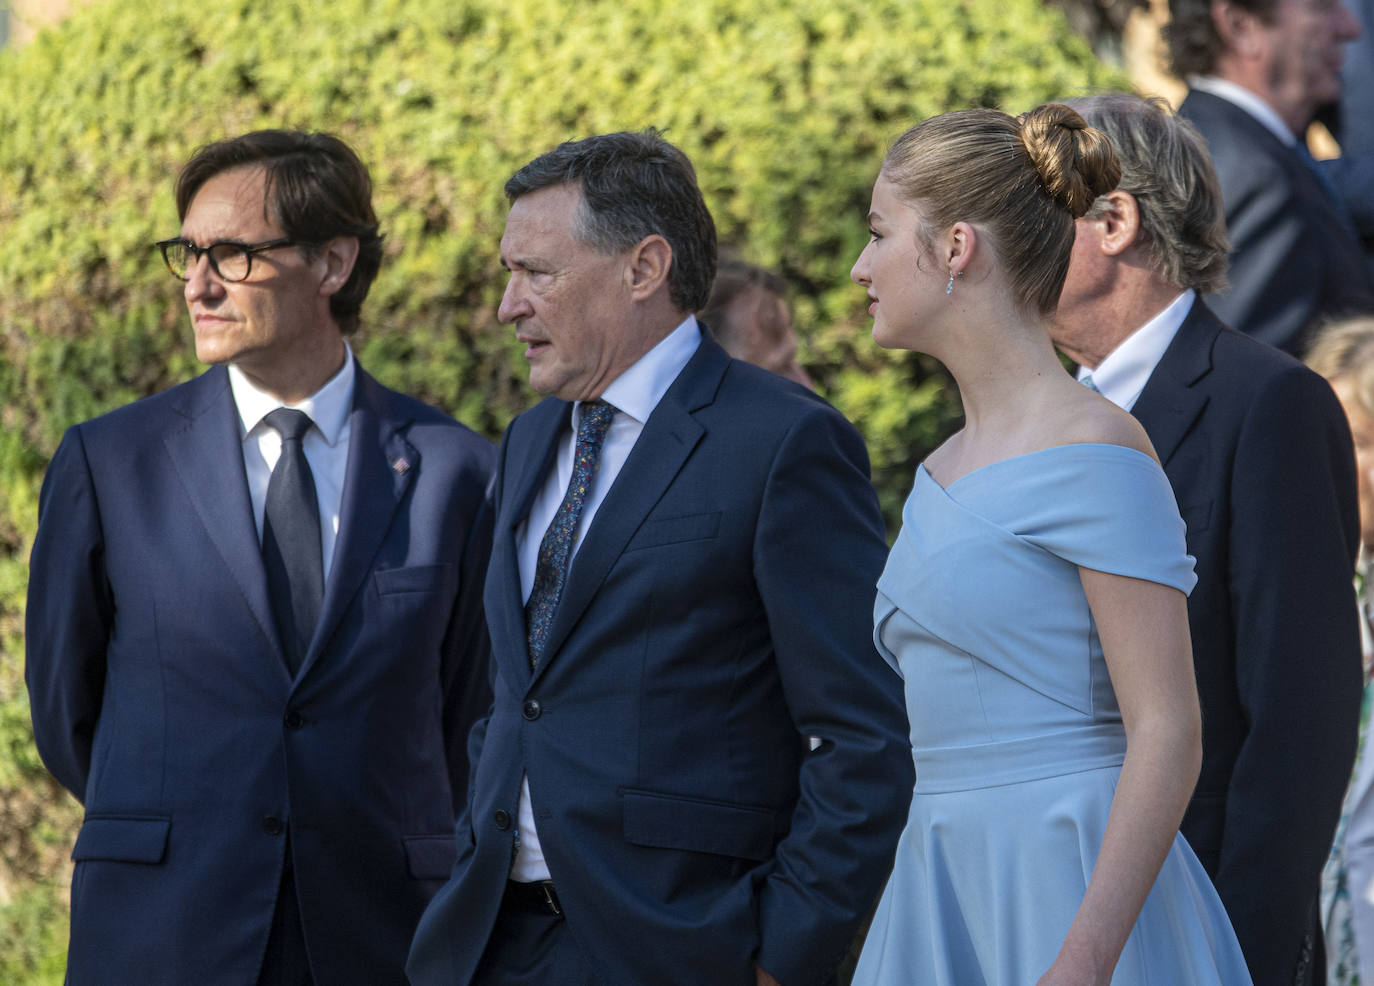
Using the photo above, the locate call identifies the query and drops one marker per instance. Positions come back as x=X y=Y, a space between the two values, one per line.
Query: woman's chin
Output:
x=885 y=339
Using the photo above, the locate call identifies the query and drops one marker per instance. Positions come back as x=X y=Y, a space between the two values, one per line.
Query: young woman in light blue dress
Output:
x=1034 y=602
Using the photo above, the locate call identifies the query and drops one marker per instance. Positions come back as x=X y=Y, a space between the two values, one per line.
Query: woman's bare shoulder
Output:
x=1098 y=420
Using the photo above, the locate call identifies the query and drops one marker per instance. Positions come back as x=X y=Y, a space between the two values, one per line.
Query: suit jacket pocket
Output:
x=671 y=821
x=672 y=530
x=430 y=857
x=417 y=578
x=123 y=838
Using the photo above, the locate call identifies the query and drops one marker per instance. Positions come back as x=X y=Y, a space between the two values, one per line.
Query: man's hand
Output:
x=762 y=978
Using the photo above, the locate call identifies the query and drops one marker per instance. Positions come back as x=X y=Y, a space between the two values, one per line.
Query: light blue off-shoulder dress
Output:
x=1015 y=730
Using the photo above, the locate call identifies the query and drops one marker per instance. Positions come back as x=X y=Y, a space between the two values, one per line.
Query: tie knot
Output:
x=595 y=420
x=290 y=424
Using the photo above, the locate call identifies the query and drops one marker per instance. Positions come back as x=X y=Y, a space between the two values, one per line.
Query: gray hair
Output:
x=1166 y=168
x=634 y=185
x=1345 y=349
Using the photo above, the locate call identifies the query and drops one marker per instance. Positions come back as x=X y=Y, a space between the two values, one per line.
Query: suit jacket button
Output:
x=502 y=819
x=272 y=825
x=532 y=710
x=294 y=720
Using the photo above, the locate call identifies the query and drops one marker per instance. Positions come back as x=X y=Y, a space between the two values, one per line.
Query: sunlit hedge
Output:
x=785 y=107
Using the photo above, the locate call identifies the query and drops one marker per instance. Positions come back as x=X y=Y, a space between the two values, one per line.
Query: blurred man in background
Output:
x=1257 y=72
x=749 y=316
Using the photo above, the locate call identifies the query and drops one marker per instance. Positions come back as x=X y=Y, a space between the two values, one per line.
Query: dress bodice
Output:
x=982 y=612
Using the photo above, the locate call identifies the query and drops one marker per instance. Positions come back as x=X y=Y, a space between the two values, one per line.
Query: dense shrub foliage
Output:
x=785 y=107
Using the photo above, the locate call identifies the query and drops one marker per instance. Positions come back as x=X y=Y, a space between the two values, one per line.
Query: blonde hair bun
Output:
x=1074 y=162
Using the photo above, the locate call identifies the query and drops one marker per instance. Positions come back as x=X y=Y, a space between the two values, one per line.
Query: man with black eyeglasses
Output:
x=255 y=640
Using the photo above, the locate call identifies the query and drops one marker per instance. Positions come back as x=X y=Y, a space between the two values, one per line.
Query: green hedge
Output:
x=785 y=107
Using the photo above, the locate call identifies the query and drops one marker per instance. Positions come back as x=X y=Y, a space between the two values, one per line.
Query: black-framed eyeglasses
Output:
x=229 y=259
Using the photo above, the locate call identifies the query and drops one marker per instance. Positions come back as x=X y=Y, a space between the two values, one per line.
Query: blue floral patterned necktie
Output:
x=551 y=569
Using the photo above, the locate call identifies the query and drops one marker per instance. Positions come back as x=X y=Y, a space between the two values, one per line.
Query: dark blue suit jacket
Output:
x=162 y=701
x=1295 y=256
x=1260 y=459
x=718 y=612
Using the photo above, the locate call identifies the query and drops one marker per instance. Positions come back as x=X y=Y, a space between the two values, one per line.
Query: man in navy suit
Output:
x=1257 y=71
x=255 y=641
x=1261 y=462
x=680 y=600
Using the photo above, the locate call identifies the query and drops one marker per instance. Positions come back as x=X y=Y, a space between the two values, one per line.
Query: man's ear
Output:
x=338 y=256
x=1119 y=222
x=1238 y=28
x=647 y=266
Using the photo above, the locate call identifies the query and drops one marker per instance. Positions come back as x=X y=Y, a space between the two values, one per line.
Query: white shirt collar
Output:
x=638 y=390
x=1248 y=101
x=1123 y=374
x=328 y=407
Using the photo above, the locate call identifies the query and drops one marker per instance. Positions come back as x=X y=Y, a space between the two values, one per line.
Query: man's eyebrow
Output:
x=524 y=262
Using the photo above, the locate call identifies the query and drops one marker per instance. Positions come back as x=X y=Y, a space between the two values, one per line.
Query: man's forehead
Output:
x=235 y=197
x=1300 y=7
x=545 y=210
x=541 y=221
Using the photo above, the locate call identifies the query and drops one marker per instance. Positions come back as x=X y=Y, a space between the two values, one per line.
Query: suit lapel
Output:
x=206 y=452
x=668 y=438
x=1171 y=402
x=529 y=453
x=1313 y=189
x=381 y=465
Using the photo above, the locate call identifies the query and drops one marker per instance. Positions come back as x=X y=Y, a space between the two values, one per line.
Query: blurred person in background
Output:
x=1344 y=354
x=749 y=316
x=1257 y=73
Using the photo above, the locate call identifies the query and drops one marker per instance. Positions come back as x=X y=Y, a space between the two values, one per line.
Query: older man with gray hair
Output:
x=678 y=602
x=1259 y=455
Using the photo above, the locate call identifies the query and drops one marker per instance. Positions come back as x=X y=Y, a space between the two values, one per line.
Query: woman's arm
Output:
x=1143 y=627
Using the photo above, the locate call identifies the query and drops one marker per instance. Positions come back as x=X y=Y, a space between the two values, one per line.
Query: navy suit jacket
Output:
x=161 y=698
x=1259 y=455
x=1295 y=256
x=717 y=613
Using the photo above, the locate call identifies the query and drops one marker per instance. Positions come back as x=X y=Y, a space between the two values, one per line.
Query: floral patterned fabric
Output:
x=1338 y=916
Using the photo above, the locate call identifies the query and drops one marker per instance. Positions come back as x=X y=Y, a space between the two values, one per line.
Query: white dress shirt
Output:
x=1248 y=101
x=1123 y=374
x=325 y=445
x=634 y=394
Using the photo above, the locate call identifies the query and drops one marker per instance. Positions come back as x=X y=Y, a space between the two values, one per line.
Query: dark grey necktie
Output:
x=291 y=539
x=551 y=568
